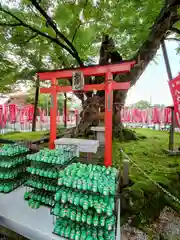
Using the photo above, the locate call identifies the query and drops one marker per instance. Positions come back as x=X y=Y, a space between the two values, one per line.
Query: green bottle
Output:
x=109 y=210
x=62 y=231
x=58 y=196
x=102 y=221
x=7 y=189
x=100 y=187
x=84 y=217
x=89 y=238
x=89 y=219
x=94 y=186
x=95 y=220
x=26 y=195
x=60 y=181
x=98 y=208
x=62 y=213
x=94 y=233
x=76 y=200
x=1 y=188
x=74 y=185
x=68 y=213
x=72 y=234
x=77 y=235
x=83 y=235
x=89 y=231
x=84 y=185
x=106 y=190
x=56 y=210
x=86 y=203
x=100 y=233
x=81 y=202
x=67 y=232
x=73 y=215
x=56 y=229
x=69 y=193
x=78 y=216
x=64 y=197
x=90 y=201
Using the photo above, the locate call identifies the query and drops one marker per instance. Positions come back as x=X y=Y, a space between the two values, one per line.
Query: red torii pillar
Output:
x=108 y=86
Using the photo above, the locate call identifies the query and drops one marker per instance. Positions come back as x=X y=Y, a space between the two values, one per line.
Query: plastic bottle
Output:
x=89 y=219
x=86 y=203
x=84 y=217
x=109 y=210
x=73 y=215
x=72 y=234
x=76 y=199
x=67 y=232
x=94 y=186
x=78 y=216
x=94 y=233
x=77 y=235
x=102 y=221
x=95 y=220
x=64 y=197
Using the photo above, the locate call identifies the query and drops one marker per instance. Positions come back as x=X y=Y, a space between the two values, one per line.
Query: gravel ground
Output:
x=167 y=226
x=131 y=233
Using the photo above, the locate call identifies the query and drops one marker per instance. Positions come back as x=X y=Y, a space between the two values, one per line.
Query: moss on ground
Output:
x=146 y=199
x=24 y=135
x=29 y=135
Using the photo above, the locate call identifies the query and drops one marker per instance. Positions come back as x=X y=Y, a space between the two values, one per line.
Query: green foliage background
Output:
x=26 y=41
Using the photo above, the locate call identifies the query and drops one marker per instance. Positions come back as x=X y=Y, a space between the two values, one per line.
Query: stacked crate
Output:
x=44 y=169
x=13 y=165
x=85 y=203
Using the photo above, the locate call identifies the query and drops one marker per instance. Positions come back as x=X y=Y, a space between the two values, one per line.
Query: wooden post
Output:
x=125 y=172
x=171 y=135
x=35 y=105
x=169 y=73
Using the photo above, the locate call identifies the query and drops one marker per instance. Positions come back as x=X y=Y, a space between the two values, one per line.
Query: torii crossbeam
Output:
x=108 y=86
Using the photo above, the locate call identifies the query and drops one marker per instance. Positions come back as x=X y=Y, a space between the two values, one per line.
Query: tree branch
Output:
x=32 y=37
x=21 y=23
x=79 y=23
x=58 y=33
x=176 y=30
x=173 y=39
x=10 y=24
x=76 y=32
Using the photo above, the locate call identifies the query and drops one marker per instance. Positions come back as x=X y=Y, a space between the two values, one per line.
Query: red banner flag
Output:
x=1 y=116
x=5 y=114
x=12 y=112
x=175 y=92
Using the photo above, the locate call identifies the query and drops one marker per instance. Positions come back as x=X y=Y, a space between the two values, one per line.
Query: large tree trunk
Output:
x=94 y=107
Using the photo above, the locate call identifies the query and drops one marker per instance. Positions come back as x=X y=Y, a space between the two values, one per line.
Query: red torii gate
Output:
x=108 y=86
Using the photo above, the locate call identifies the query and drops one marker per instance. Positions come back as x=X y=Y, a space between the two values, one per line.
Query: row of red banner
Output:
x=147 y=116
x=13 y=113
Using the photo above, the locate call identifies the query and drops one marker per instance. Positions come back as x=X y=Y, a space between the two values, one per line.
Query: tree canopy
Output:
x=48 y=34
x=143 y=104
